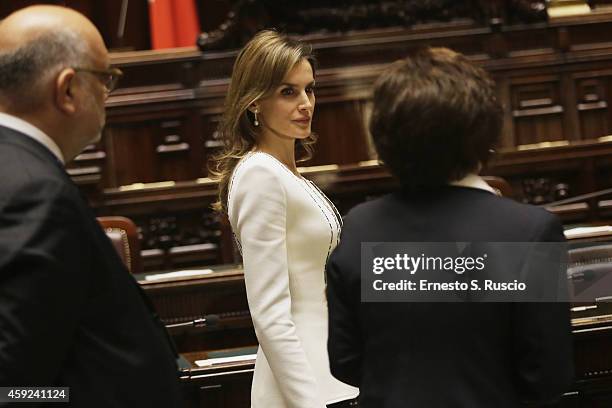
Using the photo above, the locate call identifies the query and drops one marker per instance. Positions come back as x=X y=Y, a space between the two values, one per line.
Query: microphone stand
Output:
x=206 y=321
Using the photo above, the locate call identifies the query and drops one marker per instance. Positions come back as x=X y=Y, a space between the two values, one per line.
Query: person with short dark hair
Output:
x=435 y=120
x=71 y=315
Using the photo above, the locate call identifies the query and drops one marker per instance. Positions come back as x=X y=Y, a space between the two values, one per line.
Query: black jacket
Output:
x=443 y=355
x=71 y=315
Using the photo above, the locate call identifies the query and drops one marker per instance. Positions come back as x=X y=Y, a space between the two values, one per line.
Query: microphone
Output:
x=204 y=321
x=586 y=274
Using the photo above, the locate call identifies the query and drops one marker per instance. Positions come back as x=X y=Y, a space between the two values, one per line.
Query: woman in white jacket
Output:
x=285 y=226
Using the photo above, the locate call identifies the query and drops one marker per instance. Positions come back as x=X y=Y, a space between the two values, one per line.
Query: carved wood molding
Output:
x=185 y=77
x=307 y=17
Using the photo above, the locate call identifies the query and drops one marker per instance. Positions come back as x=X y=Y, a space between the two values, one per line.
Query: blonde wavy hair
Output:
x=259 y=69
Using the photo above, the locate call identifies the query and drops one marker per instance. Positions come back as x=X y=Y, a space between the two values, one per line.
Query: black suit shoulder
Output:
x=452 y=214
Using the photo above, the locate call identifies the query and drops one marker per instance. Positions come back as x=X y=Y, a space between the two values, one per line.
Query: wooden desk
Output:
x=221 y=293
x=225 y=385
x=228 y=385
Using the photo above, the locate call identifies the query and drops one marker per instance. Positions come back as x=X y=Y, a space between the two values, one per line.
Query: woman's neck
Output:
x=282 y=151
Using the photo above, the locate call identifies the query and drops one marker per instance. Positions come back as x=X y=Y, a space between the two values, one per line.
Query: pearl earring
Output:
x=255 y=122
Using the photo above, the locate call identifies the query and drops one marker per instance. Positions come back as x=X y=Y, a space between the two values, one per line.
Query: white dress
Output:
x=286 y=229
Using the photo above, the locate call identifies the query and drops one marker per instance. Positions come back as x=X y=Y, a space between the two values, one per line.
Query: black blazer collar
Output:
x=26 y=142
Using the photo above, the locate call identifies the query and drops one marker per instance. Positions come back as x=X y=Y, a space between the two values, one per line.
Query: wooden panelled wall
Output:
x=106 y=16
x=555 y=80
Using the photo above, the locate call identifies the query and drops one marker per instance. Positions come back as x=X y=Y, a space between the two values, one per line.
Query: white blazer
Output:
x=286 y=229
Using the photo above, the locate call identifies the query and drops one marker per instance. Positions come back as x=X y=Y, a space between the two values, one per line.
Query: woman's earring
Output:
x=255 y=122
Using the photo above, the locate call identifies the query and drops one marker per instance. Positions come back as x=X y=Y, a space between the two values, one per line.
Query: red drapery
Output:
x=174 y=23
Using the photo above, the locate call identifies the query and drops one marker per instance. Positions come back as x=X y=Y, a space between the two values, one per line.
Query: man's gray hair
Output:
x=22 y=69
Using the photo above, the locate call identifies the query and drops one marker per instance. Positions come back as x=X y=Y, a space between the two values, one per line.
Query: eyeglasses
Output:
x=109 y=77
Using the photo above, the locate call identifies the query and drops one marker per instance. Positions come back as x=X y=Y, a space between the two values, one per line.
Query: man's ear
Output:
x=64 y=91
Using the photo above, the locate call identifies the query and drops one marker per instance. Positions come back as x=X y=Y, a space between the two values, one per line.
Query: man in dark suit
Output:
x=70 y=313
x=435 y=120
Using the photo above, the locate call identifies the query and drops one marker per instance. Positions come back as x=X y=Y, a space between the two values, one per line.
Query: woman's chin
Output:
x=303 y=134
